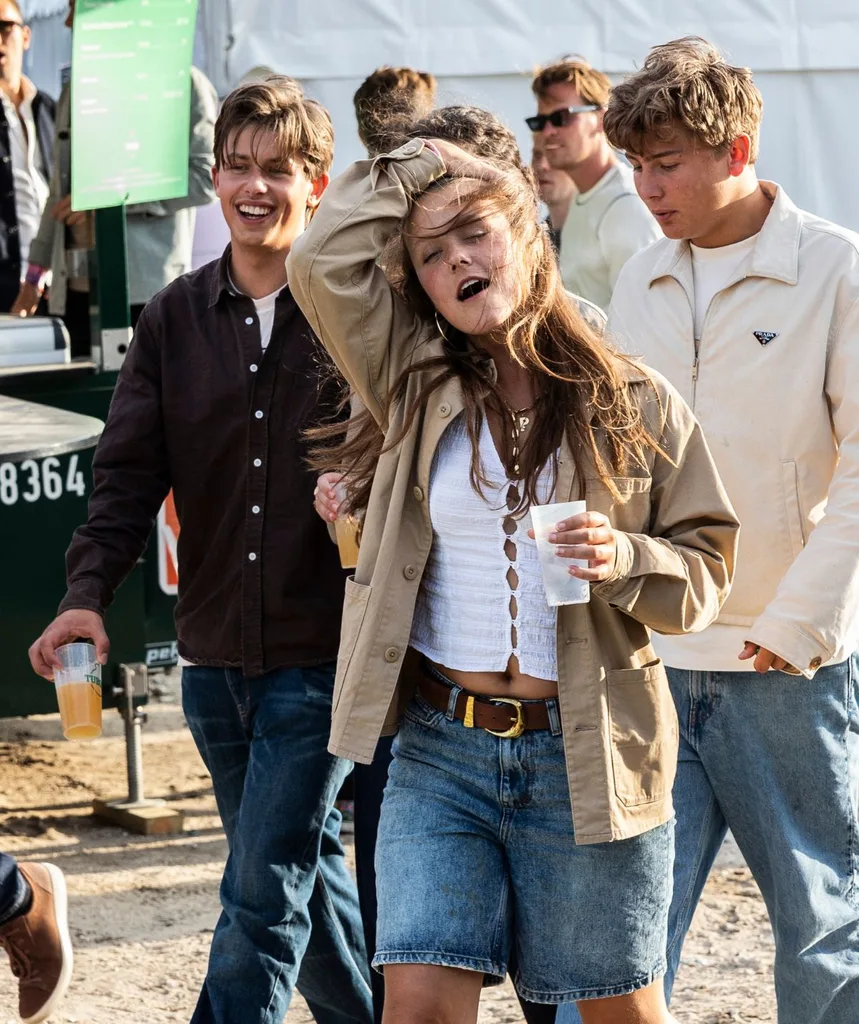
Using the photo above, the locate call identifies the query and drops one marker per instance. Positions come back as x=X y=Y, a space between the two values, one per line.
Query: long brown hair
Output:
x=582 y=393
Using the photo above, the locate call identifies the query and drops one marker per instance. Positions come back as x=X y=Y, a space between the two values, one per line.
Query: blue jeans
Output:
x=477 y=855
x=290 y=914
x=14 y=891
x=775 y=758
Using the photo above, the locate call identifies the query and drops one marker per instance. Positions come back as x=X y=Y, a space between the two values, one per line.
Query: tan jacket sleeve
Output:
x=335 y=278
x=676 y=579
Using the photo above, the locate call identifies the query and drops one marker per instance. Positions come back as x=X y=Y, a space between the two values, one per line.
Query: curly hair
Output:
x=473 y=128
x=388 y=97
x=685 y=85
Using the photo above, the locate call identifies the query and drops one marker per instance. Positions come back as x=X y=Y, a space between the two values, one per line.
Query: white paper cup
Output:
x=561 y=587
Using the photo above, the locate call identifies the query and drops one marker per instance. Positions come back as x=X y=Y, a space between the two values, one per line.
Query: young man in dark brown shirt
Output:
x=218 y=387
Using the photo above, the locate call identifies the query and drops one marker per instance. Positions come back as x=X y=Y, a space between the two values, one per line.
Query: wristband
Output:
x=35 y=275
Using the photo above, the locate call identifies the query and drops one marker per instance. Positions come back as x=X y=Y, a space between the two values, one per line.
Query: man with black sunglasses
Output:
x=606 y=222
x=26 y=153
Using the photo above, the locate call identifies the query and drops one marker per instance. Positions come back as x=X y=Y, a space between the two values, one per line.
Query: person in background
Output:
x=160 y=234
x=388 y=99
x=34 y=932
x=221 y=380
x=26 y=153
x=556 y=189
x=750 y=307
x=606 y=222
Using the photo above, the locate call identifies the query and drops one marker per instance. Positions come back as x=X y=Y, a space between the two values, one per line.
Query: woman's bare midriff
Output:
x=511 y=683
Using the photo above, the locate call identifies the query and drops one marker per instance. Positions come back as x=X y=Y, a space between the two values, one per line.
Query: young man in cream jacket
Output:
x=606 y=222
x=750 y=307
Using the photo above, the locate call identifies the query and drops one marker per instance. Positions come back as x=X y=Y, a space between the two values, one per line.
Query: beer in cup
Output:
x=78 y=685
x=346 y=532
x=561 y=587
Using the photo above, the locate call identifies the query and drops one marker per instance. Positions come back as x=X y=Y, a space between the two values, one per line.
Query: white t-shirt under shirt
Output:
x=265 y=312
x=715 y=649
x=712 y=269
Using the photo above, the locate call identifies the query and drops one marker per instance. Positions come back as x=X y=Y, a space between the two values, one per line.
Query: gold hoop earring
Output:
x=439 y=328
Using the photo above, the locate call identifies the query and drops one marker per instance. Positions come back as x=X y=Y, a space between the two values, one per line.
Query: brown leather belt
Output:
x=502 y=716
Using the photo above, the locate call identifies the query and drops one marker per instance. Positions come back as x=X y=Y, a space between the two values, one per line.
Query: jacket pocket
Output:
x=354 y=609
x=630 y=511
x=643 y=733
x=792 y=508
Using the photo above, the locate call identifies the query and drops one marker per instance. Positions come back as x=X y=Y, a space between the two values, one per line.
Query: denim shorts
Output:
x=476 y=851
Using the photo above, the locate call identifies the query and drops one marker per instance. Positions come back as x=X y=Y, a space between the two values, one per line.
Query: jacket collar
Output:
x=775 y=255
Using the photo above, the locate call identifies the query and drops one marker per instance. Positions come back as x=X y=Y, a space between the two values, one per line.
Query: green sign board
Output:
x=131 y=100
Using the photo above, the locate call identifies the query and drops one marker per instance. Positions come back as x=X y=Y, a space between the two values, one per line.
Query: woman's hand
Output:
x=587 y=536
x=328 y=496
x=459 y=163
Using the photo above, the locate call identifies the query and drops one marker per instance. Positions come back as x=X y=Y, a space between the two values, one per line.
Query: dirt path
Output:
x=143 y=909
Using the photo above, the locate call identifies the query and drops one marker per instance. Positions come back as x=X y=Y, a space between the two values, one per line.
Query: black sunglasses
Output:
x=7 y=26
x=559 y=118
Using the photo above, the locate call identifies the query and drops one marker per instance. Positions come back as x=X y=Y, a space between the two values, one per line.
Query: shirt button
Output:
x=418 y=493
x=258 y=414
x=255 y=510
x=815 y=663
x=410 y=572
x=444 y=409
x=252 y=556
x=257 y=463
x=249 y=320
x=254 y=367
x=392 y=654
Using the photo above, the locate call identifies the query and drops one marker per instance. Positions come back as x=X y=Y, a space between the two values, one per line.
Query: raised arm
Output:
x=336 y=280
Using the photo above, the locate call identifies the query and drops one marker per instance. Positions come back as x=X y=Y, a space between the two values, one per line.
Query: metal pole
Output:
x=133 y=719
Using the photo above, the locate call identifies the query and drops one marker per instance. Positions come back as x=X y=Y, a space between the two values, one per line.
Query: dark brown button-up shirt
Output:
x=199 y=407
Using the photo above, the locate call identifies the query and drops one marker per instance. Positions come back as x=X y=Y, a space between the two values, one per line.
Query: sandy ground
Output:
x=142 y=909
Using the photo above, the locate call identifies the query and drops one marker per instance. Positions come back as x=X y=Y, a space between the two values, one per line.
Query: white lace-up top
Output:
x=463 y=617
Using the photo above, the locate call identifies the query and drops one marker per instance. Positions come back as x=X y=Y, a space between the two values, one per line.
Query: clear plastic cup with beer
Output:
x=78 y=685
x=346 y=532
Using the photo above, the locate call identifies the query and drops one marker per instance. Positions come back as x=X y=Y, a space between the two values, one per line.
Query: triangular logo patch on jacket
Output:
x=765 y=337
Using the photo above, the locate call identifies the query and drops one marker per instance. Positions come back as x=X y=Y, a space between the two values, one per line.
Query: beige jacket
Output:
x=620 y=730
x=776 y=389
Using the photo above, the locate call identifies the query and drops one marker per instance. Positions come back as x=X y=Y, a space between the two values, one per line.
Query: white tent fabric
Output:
x=805 y=55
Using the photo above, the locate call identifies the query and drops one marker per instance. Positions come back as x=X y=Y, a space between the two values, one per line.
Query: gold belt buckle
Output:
x=518 y=727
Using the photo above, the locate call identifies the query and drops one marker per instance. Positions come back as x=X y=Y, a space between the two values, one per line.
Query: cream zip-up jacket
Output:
x=675 y=549
x=775 y=385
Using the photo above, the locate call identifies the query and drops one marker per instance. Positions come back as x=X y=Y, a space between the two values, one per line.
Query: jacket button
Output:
x=392 y=654
x=444 y=409
x=410 y=572
x=815 y=663
x=410 y=149
x=418 y=493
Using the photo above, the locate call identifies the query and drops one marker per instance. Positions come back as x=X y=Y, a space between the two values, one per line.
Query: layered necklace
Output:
x=521 y=420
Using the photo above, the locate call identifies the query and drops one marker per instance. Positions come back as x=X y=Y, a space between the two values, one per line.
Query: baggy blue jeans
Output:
x=14 y=891
x=775 y=758
x=290 y=916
